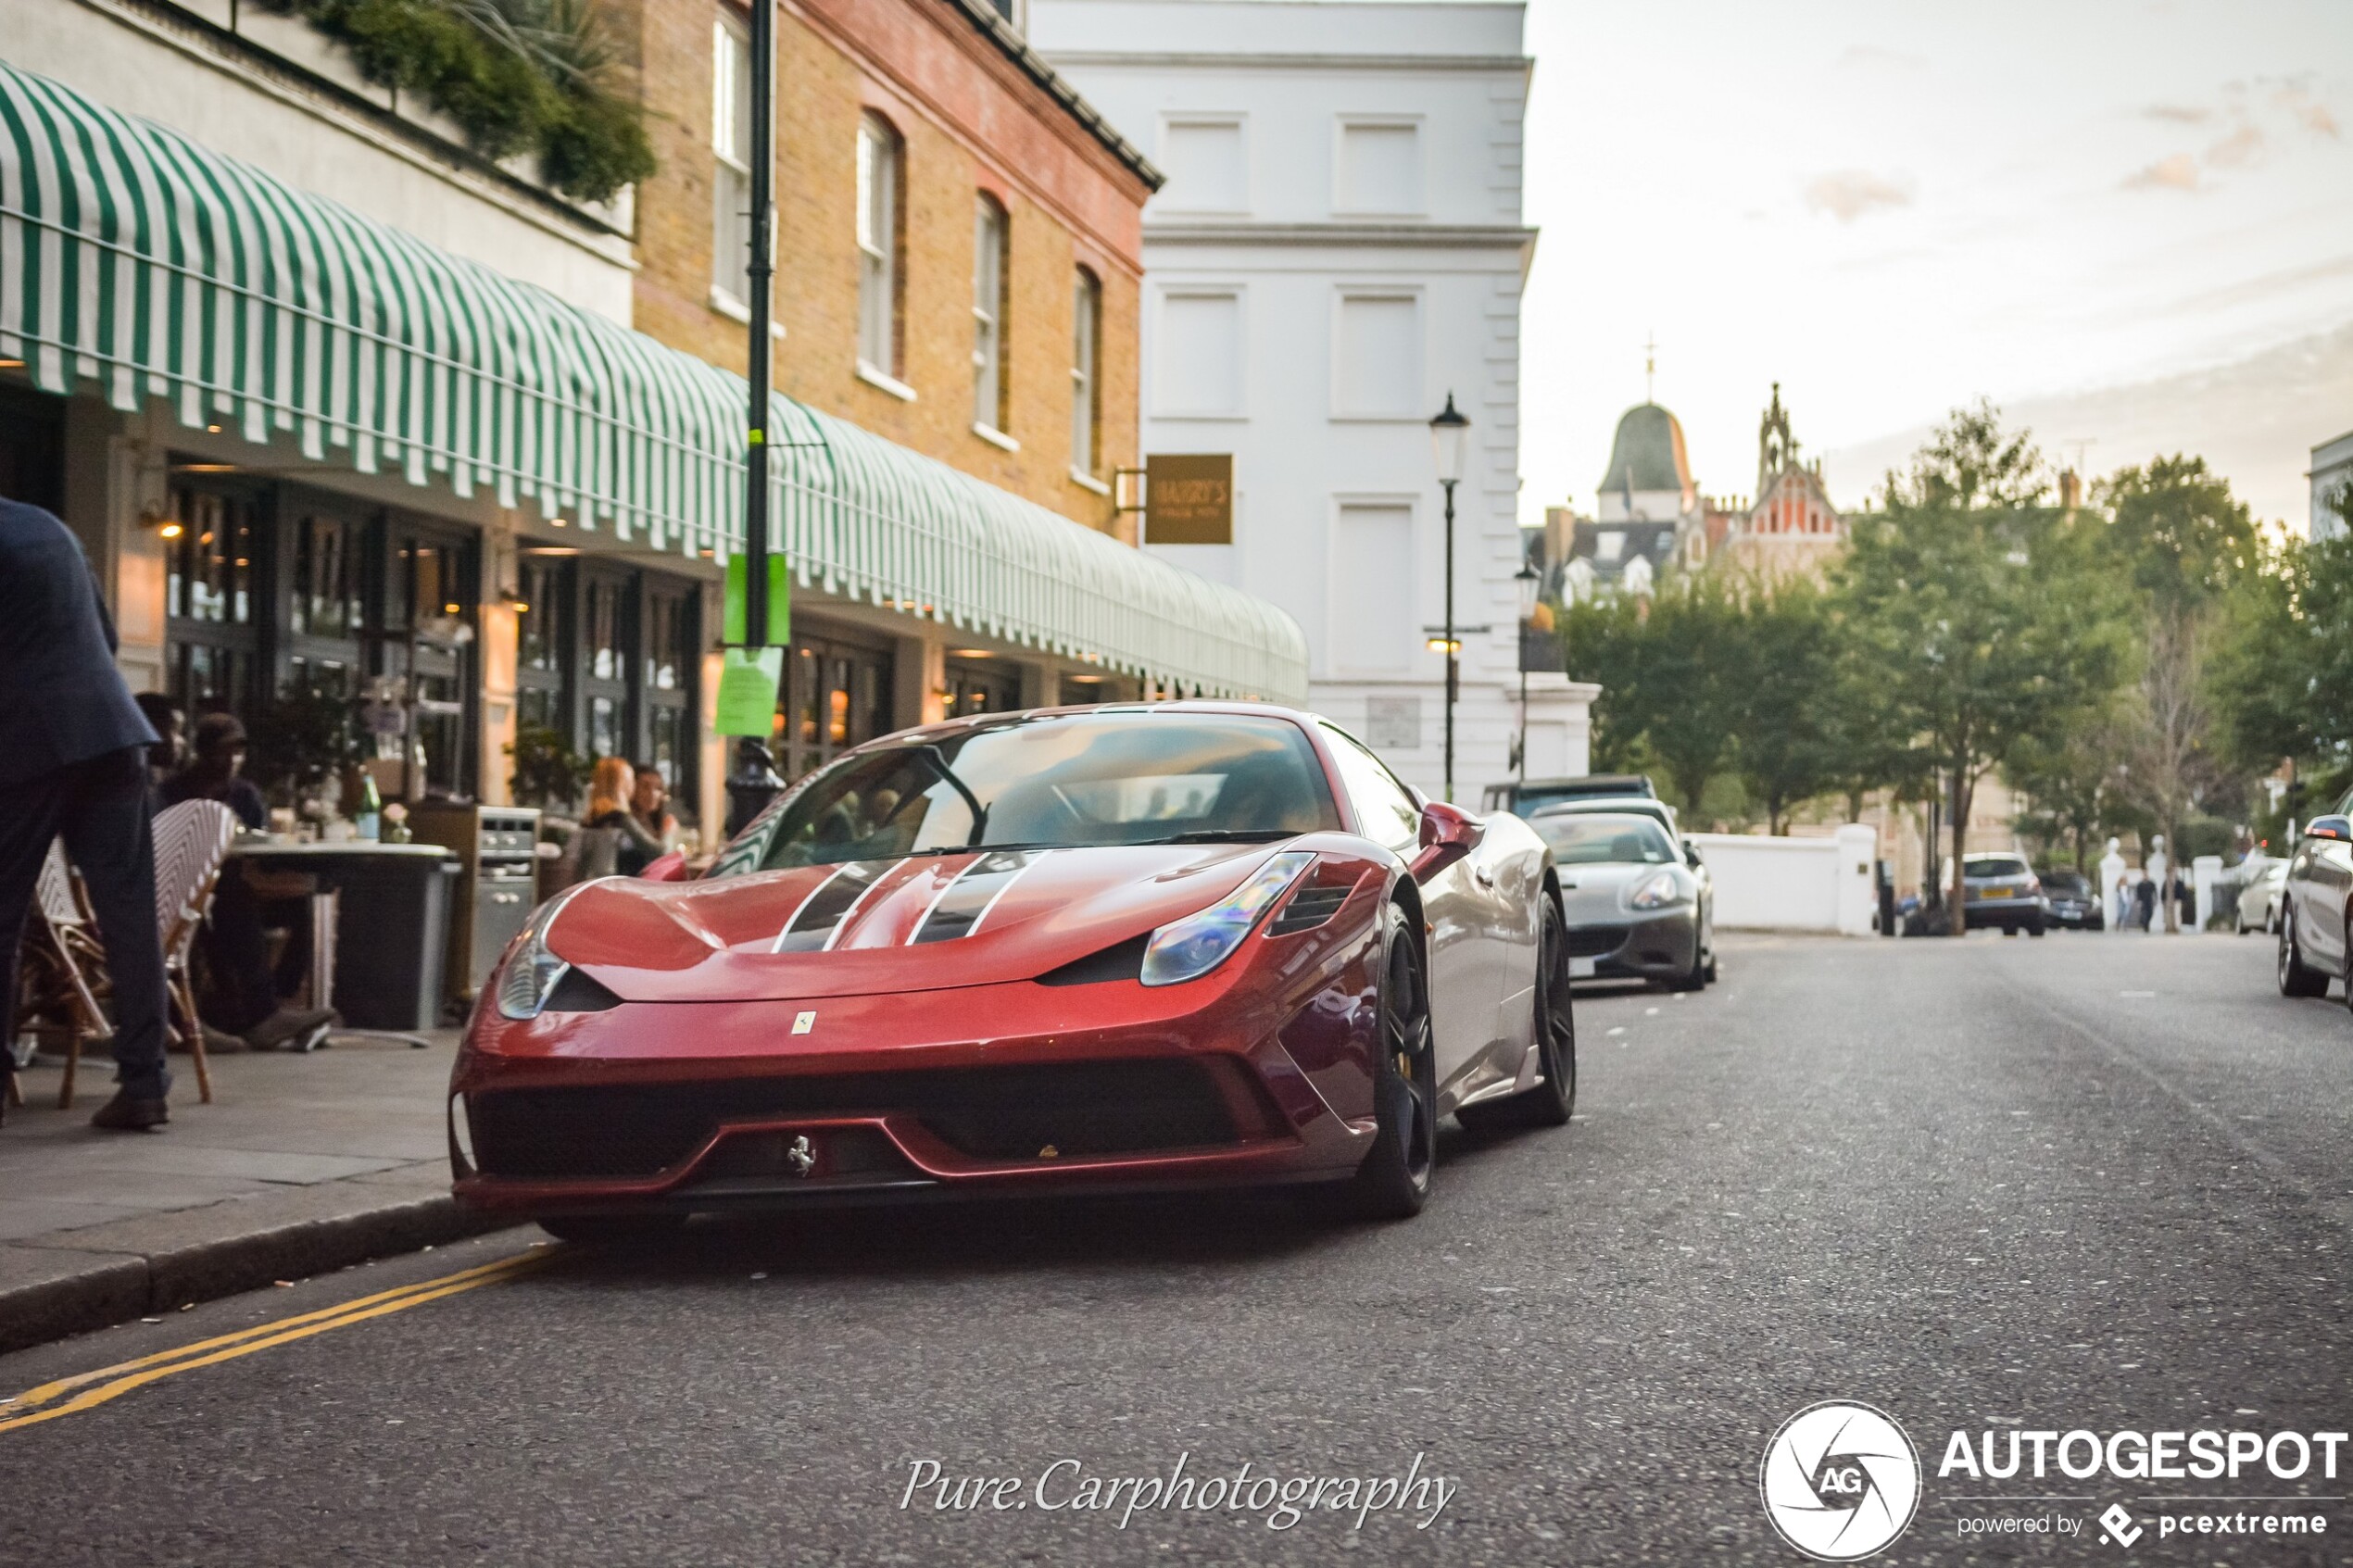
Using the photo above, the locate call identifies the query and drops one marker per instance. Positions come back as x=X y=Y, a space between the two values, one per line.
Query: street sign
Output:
x=1189 y=498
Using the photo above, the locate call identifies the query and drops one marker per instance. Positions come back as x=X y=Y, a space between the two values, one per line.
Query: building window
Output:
x=990 y=297
x=879 y=245
x=1370 y=586
x=979 y=688
x=836 y=694
x=1378 y=167
x=731 y=172
x=1377 y=357
x=1086 y=380
x=1197 y=359
x=210 y=577
x=1206 y=160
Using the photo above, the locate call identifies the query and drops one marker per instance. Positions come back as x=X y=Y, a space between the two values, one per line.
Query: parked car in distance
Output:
x=1636 y=909
x=2259 y=898
x=1641 y=804
x=2069 y=900
x=2312 y=905
x=2001 y=890
x=1527 y=795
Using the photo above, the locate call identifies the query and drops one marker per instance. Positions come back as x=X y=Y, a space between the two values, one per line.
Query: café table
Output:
x=392 y=901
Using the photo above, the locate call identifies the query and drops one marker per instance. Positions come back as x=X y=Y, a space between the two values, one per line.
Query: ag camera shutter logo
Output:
x=1841 y=1481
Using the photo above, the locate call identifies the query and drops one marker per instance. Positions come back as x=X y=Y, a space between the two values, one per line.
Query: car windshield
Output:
x=1995 y=866
x=1069 y=781
x=1598 y=839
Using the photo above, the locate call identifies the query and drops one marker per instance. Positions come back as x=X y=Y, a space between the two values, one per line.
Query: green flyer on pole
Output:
x=779 y=602
x=747 y=691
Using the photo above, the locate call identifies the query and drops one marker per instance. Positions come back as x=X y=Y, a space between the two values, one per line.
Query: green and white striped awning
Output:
x=134 y=263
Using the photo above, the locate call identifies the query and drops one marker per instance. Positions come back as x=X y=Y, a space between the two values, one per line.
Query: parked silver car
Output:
x=1637 y=910
x=2315 y=901
x=2259 y=898
x=2001 y=890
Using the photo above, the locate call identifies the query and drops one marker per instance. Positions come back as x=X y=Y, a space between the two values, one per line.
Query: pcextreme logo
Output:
x=1841 y=1481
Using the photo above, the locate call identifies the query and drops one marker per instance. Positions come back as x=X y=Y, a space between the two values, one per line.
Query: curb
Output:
x=115 y=1287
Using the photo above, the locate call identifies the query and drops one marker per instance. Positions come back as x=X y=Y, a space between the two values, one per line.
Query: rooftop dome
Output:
x=1648 y=453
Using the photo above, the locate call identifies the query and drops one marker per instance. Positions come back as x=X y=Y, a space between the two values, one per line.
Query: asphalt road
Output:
x=2087 y=1182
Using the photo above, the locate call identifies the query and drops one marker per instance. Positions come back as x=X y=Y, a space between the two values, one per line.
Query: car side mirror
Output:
x=1691 y=855
x=667 y=867
x=1448 y=834
x=2337 y=828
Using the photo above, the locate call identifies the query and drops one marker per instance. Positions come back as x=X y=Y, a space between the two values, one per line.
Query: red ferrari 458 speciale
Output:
x=1134 y=947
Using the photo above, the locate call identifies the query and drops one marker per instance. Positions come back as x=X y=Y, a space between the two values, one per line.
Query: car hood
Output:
x=1597 y=892
x=865 y=927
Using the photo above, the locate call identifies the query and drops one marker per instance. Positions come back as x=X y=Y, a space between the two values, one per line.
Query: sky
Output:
x=2128 y=223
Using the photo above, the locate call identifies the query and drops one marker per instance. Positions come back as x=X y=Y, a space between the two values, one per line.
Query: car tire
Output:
x=2296 y=978
x=613 y=1230
x=1394 y=1181
x=1553 y=1099
x=1695 y=977
x=2035 y=928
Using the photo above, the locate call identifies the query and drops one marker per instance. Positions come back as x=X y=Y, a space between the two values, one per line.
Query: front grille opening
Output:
x=575 y=992
x=1592 y=942
x=995 y=1114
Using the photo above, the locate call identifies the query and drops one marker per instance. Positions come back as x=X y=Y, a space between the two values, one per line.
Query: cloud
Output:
x=2241 y=147
x=1849 y=193
x=2176 y=174
x=2179 y=114
x=1870 y=57
x=2305 y=110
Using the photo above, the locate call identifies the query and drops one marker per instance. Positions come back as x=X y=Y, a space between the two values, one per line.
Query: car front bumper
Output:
x=1651 y=945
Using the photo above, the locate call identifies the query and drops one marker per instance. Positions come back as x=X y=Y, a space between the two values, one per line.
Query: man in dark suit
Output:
x=74 y=762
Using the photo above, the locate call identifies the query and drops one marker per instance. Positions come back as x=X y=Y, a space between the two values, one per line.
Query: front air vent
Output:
x=1308 y=908
x=1123 y=962
x=576 y=993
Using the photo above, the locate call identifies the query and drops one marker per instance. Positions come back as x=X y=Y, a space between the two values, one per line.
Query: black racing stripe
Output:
x=962 y=905
x=816 y=919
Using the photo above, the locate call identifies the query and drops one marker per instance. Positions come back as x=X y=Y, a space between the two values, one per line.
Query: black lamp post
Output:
x=1526 y=579
x=1449 y=441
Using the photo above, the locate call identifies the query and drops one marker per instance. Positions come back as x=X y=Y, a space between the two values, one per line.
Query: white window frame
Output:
x=1341 y=127
x=731 y=174
x=1341 y=502
x=1085 y=373
x=880 y=182
x=1412 y=293
x=1204 y=289
x=992 y=291
x=1239 y=120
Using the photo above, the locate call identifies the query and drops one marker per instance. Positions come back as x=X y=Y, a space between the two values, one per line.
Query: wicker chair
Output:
x=62 y=942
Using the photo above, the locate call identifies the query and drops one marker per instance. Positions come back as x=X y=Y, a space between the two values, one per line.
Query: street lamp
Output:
x=1526 y=579
x=1449 y=439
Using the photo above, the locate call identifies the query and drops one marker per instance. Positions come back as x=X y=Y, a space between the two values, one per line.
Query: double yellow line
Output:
x=91 y=1388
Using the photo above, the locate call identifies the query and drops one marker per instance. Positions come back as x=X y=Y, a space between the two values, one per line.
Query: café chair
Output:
x=192 y=841
x=61 y=939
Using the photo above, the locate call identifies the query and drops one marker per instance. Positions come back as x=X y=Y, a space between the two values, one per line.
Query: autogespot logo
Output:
x=1841 y=1481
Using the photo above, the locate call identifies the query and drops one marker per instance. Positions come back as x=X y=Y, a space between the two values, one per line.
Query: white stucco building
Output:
x=1339 y=247
x=2332 y=475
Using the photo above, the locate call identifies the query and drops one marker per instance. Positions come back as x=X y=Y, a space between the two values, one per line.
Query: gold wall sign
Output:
x=1189 y=498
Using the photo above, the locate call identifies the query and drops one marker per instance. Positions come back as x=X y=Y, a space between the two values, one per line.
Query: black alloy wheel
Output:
x=1393 y=1181
x=2296 y=977
x=1552 y=1101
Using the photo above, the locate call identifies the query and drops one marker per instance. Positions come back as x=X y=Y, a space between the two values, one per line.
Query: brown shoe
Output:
x=125 y=1115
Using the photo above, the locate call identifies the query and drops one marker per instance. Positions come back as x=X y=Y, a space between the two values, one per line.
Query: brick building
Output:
x=1003 y=217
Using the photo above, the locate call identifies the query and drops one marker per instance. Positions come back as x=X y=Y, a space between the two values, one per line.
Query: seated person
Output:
x=649 y=803
x=244 y=997
x=163 y=717
x=612 y=840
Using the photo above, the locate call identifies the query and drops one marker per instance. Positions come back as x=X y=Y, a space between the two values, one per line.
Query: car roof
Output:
x=1649 y=804
x=1011 y=716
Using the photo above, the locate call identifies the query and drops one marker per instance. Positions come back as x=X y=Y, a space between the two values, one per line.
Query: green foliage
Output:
x=2283 y=669
x=520 y=76
x=1982 y=611
x=1671 y=677
x=1786 y=719
x=548 y=773
x=309 y=733
x=2186 y=538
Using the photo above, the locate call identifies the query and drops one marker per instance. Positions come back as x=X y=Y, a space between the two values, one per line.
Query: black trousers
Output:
x=99 y=807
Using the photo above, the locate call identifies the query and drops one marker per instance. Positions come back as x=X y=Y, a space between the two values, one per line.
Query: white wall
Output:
x=131 y=61
x=1339 y=247
x=1822 y=885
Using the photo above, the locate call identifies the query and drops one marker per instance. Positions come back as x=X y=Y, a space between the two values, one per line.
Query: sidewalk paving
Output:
x=301 y=1164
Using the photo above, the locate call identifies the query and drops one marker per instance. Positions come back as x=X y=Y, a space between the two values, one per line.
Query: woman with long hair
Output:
x=613 y=842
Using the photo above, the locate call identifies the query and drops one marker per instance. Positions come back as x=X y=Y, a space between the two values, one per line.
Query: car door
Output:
x=2322 y=879
x=1465 y=975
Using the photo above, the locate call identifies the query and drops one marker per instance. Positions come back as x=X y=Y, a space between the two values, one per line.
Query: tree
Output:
x=1671 y=671
x=1786 y=676
x=2281 y=675
x=2069 y=782
x=1975 y=602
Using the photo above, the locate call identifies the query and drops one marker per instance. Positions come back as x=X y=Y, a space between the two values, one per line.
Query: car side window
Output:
x=1385 y=809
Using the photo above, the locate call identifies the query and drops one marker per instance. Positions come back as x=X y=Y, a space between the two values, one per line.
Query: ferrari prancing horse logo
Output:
x=800 y=1156
x=803 y=1022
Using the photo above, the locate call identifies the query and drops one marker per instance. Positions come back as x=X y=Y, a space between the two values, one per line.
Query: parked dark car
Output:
x=2001 y=890
x=2069 y=900
x=2313 y=905
x=1526 y=796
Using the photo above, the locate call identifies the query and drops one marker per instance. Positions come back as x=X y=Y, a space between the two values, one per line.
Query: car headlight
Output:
x=1658 y=892
x=531 y=970
x=1188 y=949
